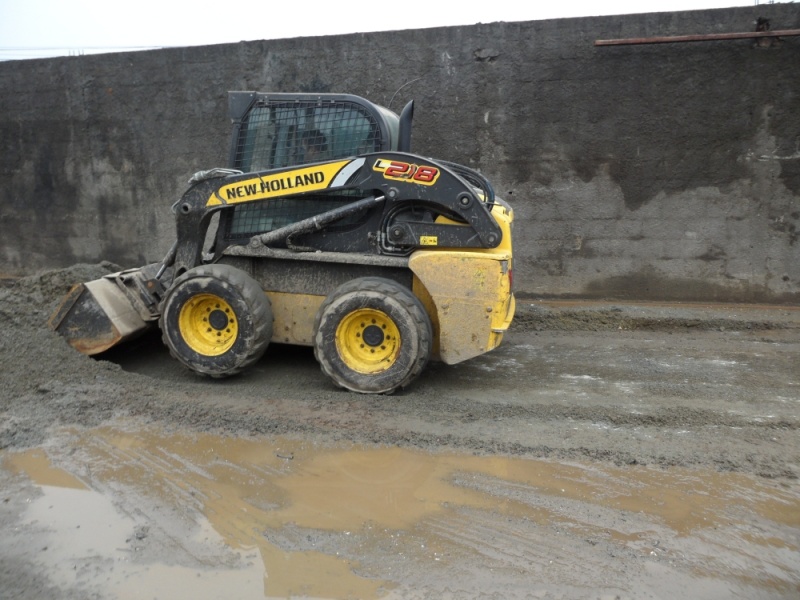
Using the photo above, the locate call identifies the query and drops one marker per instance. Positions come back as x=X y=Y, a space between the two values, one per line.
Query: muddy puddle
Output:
x=141 y=513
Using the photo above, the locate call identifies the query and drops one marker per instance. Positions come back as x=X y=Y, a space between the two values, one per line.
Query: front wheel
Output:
x=216 y=320
x=372 y=335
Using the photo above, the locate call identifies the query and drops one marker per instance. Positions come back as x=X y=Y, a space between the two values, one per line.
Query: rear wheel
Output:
x=372 y=335
x=216 y=320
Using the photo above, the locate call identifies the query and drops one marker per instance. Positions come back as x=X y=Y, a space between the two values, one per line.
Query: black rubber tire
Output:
x=398 y=309
x=247 y=307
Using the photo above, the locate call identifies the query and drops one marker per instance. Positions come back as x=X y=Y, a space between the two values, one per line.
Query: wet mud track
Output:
x=599 y=453
x=728 y=400
x=140 y=514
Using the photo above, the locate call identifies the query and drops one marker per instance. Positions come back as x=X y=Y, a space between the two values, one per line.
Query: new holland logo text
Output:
x=273 y=185
x=401 y=171
x=307 y=179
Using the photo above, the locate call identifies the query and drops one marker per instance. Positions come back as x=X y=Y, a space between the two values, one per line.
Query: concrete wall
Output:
x=650 y=172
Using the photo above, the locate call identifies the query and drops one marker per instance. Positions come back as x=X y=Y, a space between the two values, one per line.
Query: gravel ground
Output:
x=610 y=388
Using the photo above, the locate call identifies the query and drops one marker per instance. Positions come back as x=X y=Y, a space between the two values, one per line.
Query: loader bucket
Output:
x=97 y=315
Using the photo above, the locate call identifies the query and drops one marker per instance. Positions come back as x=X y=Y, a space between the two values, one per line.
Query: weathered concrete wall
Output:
x=651 y=172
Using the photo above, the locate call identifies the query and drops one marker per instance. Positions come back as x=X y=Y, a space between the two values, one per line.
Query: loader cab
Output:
x=275 y=131
x=272 y=131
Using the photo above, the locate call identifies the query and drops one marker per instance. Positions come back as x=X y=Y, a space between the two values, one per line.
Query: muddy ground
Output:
x=604 y=450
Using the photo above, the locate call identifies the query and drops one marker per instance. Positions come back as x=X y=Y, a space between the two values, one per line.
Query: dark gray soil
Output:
x=711 y=388
x=566 y=376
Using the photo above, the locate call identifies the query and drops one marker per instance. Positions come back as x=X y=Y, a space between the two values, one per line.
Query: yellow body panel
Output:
x=472 y=299
x=467 y=294
x=294 y=316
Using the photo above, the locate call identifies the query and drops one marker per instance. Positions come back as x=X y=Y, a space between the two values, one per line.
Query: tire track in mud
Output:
x=707 y=534
x=553 y=317
x=548 y=554
x=539 y=396
x=436 y=523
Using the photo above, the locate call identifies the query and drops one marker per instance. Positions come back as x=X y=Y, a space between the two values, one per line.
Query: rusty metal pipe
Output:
x=707 y=37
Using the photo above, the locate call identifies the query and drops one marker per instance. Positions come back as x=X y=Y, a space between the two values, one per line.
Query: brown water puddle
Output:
x=251 y=491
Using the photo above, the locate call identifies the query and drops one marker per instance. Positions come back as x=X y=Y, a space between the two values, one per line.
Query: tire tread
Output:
x=401 y=295
x=258 y=304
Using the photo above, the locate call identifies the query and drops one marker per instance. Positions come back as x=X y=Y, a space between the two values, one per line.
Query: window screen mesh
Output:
x=288 y=134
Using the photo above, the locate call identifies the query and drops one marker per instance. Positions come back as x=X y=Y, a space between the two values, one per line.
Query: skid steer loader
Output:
x=323 y=231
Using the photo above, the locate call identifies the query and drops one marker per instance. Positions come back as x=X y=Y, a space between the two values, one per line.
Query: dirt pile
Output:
x=45 y=381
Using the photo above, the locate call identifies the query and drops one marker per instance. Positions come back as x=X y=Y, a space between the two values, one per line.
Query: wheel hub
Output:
x=218 y=320
x=368 y=341
x=372 y=335
x=208 y=325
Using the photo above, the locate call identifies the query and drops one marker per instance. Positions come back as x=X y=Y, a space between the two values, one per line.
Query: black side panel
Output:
x=309 y=277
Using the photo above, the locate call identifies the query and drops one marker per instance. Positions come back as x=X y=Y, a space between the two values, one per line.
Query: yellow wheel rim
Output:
x=208 y=325
x=368 y=341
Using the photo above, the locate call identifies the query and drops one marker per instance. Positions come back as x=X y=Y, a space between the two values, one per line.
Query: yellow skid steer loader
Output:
x=324 y=231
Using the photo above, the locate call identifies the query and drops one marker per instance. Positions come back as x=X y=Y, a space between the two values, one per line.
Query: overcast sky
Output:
x=40 y=28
